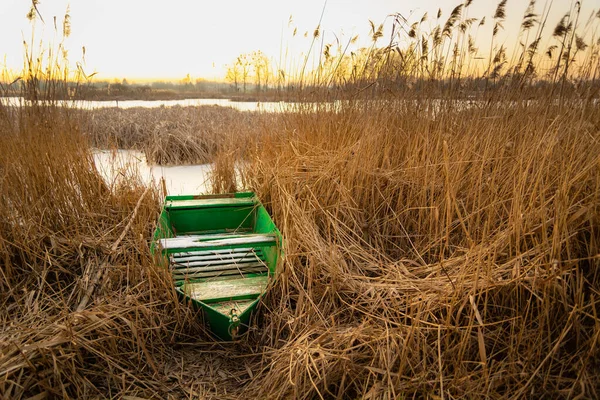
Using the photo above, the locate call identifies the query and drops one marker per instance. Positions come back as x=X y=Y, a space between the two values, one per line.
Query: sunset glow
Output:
x=152 y=40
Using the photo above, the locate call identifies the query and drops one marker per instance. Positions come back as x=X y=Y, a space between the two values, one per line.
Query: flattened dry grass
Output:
x=65 y=237
x=433 y=248
x=170 y=135
x=452 y=254
x=430 y=251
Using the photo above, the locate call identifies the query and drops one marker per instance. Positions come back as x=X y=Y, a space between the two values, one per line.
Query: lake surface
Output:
x=114 y=165
x=270 y=106
x=267 y=106
x=280 y=106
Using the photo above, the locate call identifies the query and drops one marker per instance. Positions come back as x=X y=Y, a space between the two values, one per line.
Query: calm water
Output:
x=280 y=106
x=186 y=179
x=263 y=106
x=238 y=105
x=268 y=106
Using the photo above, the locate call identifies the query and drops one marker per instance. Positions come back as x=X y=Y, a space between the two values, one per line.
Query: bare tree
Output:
x=233 y=75
x=244 y=66
x=262 y=70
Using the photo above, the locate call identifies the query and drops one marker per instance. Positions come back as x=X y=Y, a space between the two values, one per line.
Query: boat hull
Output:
x=223 y=252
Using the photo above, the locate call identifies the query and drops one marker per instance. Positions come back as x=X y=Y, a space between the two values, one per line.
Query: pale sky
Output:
x=153 y=39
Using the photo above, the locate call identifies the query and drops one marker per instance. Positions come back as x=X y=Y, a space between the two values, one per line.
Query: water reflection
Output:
x=119 y=164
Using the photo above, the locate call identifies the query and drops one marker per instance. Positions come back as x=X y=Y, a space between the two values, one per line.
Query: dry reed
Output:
x=448 y=255
x=434 y=247
x=169 y=135
x=61 y=227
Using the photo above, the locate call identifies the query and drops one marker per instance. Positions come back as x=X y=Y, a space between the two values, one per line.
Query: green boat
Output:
x=222 y=251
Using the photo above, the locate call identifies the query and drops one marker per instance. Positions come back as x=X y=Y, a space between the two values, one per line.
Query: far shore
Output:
x=164 y=95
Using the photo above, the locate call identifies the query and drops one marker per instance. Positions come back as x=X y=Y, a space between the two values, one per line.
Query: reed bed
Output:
x=451 y=254
x=435 y=247
x=84 y=311
x=170 y=135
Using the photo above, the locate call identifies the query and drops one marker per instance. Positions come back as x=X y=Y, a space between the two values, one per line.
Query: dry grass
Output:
x=170 y=135
x=433 y=249
x=450 y=252
x=452 y=255
x=430 y=251
x=64 y=236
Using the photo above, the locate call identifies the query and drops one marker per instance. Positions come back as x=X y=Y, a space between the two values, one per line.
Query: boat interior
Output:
x=227 y=264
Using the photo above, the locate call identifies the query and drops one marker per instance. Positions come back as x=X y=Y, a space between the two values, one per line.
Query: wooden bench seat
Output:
x=206 y=203
x=199 y=241
x=230 y=289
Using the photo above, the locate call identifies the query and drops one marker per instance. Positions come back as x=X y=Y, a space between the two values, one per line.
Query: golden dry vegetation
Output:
x=434 y=247
x=170 y=135
x=451 y=253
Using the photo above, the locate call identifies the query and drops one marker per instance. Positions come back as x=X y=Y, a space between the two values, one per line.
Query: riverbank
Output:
x=148 y=94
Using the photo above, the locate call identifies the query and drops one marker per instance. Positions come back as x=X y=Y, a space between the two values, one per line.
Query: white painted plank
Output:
x=220 y=267
x=223 y=235
x=243 y=201
x=225 y=267
x=239 y=260
x=218 y=274
x=232 y=256
x=182 y=259
x=183 y=242
x=211 y=252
